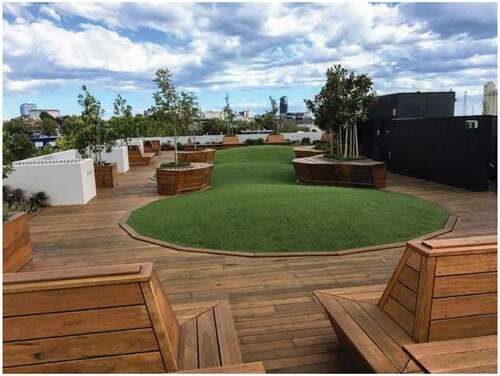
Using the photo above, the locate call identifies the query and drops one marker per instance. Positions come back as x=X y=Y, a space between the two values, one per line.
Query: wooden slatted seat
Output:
x=137 y=158
x=152 y=146
x=440 y=290
x=107 y=319
x=463 y=355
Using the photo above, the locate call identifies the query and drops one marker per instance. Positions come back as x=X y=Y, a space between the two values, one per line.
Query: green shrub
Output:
x=166 y=146
x=17 y=200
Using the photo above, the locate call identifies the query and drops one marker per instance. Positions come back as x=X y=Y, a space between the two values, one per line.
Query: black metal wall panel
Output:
x=442 y=150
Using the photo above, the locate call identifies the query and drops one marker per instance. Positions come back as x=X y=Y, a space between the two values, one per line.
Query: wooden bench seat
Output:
x=254 y=367
x=440 y=290
x=464 y=355
x=107 y=319
x=360 y=323
x=137 y=158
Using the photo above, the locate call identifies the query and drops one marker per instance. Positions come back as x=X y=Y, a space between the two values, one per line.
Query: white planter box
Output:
x=65 y=177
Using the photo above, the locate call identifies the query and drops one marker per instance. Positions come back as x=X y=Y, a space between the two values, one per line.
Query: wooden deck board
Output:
x=276 y=318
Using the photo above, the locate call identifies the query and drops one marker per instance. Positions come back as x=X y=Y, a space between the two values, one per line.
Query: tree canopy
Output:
x=341 y=106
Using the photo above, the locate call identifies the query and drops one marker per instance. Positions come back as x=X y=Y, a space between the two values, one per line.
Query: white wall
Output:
x=207 y=139
x=118 y=155
x=65 y=177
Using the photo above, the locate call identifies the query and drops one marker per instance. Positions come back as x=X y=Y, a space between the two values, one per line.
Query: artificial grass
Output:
x=256 y=205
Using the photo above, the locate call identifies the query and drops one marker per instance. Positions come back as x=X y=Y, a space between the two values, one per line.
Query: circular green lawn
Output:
x=256 y=205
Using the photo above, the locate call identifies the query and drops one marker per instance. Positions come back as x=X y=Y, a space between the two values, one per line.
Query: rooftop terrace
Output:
x=277 y=319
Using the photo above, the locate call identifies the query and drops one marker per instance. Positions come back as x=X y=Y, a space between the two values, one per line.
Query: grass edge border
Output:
x=448 y=227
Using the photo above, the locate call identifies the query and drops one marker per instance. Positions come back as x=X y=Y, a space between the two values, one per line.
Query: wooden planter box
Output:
x=197 y=156
x=320 y=170
x=306 y=151
x=152 y=146
x=106 y=176
x=16 y=243
x=276 y=139
x=177 y=180
x=231 y=140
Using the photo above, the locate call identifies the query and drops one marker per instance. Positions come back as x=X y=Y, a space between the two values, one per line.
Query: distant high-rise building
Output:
x=490 y=99
x=283 y=105
x=25 y=109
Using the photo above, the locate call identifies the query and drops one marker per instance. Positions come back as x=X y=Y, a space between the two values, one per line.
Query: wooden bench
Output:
x=464 y=355
x=152 y=146
x=107 y=319
x=440 y=290
x=137 y=158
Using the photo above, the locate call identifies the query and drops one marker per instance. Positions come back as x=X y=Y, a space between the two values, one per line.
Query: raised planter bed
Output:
x=106 y=176
x=197 y=156
x=16 y=243
x=306 y=151
x=171 y=181
x=321 y=170
x=276 y=139
x=152 y=146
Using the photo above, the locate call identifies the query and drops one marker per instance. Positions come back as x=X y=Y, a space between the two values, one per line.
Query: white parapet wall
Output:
x=65 y=177
x=118 y=155
x=211 y=139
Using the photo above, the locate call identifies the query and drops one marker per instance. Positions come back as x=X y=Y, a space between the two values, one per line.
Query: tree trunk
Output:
x=331 y=141
x=356 y=144
x=175 y=143
x=346 y=143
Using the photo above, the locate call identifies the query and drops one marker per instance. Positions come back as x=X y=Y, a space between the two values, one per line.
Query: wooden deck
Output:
x=277 y=319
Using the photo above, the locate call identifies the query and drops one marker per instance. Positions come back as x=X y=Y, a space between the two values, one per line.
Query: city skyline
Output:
x=249 y=50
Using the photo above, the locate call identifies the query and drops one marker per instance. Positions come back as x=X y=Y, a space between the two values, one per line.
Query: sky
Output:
x=249 y=50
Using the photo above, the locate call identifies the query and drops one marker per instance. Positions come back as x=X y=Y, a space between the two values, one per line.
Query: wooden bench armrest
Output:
x=455 y=246
x=76 y=277
x=254 y=367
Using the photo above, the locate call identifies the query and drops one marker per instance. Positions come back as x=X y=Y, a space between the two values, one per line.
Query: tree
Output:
x=189 y=109
x=270 y=116
x=16 y=144
x=341 y=106
x=122 y=122
x=95 y=135
x=167 y=108
x=69 y=128
x=49 y=126
x=212 y=126
x=228 y=115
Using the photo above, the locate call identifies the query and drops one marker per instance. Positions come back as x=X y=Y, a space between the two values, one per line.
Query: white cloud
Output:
x=229 y=46
x=50 y=12
x=94 y=47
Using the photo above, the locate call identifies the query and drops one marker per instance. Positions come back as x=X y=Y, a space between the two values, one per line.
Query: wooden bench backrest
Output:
x=113 y=318
x=134 y=150
x=231 y=140
x=445 y=289
x=151 y=145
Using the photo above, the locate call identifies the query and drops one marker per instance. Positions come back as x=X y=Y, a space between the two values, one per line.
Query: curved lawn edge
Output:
x=448 y=227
